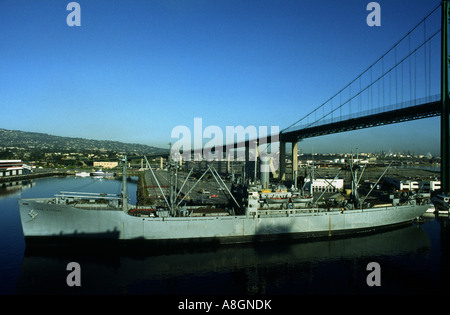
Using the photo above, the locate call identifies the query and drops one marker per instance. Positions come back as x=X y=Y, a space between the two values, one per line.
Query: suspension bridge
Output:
x=408 y=82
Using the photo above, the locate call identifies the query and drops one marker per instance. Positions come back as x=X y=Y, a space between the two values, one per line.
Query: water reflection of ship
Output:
x=118 y=274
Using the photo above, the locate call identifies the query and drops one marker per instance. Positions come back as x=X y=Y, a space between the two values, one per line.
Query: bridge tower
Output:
x=294 y=143
x=445 y=110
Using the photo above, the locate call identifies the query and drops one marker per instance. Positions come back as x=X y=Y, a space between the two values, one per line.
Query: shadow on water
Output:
x=307 y=267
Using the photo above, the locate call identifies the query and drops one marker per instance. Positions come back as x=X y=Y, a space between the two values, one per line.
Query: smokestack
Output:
x=264 y=173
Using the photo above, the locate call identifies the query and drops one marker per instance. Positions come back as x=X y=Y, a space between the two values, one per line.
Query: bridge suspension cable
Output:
x=385 y=84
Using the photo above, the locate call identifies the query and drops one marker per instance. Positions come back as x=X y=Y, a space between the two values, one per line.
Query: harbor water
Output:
x=412 y=260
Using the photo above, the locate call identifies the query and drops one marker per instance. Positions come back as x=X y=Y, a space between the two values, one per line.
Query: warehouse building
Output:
x=11 y=167
x=423 y=185
x=106 y=164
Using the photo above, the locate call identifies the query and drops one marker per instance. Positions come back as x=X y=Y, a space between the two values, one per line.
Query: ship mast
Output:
x=355 y=181
x=173 y=169
x=124 y=184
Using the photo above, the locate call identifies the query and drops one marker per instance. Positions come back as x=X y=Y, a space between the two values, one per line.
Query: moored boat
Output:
x=82 y=174
x=101 y=173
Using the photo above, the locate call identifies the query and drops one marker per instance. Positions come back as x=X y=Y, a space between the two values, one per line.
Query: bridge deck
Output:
x=426 y=110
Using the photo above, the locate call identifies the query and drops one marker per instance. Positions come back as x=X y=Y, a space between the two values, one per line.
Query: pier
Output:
x=23 y=177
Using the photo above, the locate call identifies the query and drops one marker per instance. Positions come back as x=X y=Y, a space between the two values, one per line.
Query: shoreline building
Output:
x=13 y=167
x=426 y=185
x=106 y=164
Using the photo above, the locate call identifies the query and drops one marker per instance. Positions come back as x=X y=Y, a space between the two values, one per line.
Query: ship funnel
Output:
x=264 y=173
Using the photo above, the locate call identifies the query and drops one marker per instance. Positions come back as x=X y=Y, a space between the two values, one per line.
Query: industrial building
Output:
x=106 y=164
x=13 y=168
x=423 y=185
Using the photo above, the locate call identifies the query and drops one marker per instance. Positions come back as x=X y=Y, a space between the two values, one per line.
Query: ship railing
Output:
x=283 y=212
x=85 y=195
x=300 y=211
x=87 y=206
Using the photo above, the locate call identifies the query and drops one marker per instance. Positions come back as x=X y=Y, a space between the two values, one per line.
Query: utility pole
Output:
x=445 y=144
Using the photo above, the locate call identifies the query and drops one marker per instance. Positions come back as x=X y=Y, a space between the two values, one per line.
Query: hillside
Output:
x=31 y=141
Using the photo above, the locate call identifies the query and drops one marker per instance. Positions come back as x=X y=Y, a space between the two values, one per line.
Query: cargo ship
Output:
x=254 y=216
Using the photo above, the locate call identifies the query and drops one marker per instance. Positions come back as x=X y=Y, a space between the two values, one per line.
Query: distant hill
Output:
x=46 y=142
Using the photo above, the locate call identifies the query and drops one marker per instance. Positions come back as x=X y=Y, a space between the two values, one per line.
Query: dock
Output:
x=23 y=177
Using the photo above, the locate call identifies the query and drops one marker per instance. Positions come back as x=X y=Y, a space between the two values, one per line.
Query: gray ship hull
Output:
x=43 y=220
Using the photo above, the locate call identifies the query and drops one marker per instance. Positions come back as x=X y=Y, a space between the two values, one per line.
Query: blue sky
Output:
x=134 y=70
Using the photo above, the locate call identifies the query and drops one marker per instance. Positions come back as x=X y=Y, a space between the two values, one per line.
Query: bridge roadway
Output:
x=430 y=109
x=393 y=114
